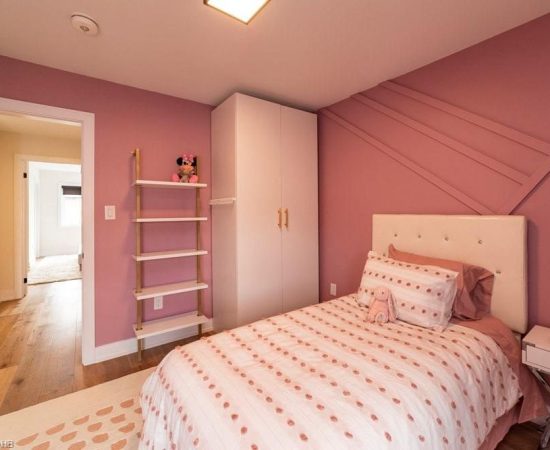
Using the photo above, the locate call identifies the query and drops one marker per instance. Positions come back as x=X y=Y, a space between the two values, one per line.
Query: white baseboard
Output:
x=7 y=294
x=129 y=346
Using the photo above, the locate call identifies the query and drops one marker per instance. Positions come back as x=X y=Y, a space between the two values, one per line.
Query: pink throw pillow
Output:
x=474 y=283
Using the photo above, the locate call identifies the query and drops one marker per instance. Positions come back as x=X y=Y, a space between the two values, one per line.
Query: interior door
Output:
x=21 y=260
x=300 y=236
x=258 y=201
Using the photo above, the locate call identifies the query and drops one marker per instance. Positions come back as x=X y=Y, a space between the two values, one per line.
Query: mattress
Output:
x=323 y=378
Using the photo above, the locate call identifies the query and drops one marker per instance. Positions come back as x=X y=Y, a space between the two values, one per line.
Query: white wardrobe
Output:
x=264 y=210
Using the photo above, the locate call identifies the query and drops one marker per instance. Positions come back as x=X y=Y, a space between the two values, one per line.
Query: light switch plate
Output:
x=158 y=302
x=332 y=288
x=110 y=212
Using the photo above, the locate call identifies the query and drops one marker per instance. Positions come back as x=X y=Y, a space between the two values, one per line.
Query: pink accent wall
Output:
x=469 y=134
x=163 y=127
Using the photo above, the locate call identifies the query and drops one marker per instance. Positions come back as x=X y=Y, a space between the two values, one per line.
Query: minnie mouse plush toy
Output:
x=187 y=172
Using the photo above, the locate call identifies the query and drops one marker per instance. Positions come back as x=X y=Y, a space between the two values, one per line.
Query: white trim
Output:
x=129 y=346
x=87 y=121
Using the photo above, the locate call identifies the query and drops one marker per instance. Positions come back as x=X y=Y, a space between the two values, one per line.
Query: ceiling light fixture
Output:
x=242 y=10
x=85 y=24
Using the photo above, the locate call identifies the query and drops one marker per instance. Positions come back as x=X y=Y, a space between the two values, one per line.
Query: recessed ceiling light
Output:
x=85 y=24
x=243 y=10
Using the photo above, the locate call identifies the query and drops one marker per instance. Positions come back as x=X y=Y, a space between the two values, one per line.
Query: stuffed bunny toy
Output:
x=381 y=309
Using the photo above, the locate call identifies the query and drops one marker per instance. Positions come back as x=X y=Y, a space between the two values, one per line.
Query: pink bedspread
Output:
x=532 y=403
x=323 y=378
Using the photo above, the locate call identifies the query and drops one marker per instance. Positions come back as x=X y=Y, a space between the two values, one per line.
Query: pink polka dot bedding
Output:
x=322 y=377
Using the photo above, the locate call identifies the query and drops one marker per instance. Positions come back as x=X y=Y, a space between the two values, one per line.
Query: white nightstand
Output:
x=535 y=354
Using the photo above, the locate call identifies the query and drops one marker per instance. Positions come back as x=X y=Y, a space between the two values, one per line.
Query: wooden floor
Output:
x=524 y=436
x=40 y=355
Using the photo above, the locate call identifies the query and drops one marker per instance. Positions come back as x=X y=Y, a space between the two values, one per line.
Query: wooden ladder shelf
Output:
x=143 y=328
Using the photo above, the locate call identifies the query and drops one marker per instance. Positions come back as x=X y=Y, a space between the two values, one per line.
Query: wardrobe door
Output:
x=258 y=201
x=300 y=206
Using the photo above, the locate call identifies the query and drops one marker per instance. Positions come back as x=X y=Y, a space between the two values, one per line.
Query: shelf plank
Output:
x=169 y=289
x=153 y=256
x=169 y=184
x=222 y=201
x=167 y=324
x=169 y=219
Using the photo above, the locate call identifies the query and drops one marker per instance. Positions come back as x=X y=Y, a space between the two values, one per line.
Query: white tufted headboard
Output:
x=497 y=243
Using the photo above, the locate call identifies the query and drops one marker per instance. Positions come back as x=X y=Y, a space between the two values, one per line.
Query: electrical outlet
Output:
x=158 y=302
x=332 y=288
x=110 y=212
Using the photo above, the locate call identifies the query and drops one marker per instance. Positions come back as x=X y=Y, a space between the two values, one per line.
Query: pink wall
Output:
x=467 y=134
x=125 y=118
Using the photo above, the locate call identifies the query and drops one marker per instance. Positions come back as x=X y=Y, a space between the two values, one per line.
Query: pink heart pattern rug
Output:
x=106 y=416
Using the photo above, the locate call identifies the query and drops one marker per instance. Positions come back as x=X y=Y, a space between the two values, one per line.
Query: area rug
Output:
x=106 y=416
x=50 y=269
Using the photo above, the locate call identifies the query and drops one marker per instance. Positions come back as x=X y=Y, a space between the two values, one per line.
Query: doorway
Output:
x=54 y=222
x=21 y=252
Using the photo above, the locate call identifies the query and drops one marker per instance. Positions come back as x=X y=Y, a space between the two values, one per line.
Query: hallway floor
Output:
x=50 y=269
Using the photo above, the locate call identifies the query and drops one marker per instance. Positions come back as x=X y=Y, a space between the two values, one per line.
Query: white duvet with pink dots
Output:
x=323 y=378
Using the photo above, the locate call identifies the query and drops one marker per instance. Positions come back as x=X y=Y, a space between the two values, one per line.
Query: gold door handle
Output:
x=286 y=218
x=280 y=222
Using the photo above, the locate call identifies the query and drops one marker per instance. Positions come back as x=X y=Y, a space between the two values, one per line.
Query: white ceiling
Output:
x=37 y=126
x=307 y=53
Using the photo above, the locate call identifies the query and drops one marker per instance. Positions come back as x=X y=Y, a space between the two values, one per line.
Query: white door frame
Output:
x=87 y=121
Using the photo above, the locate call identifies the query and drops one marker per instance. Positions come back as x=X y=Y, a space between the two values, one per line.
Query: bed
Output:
x=323 y=378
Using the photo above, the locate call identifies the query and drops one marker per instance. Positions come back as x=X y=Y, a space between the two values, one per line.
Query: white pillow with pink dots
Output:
x=423 y=295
